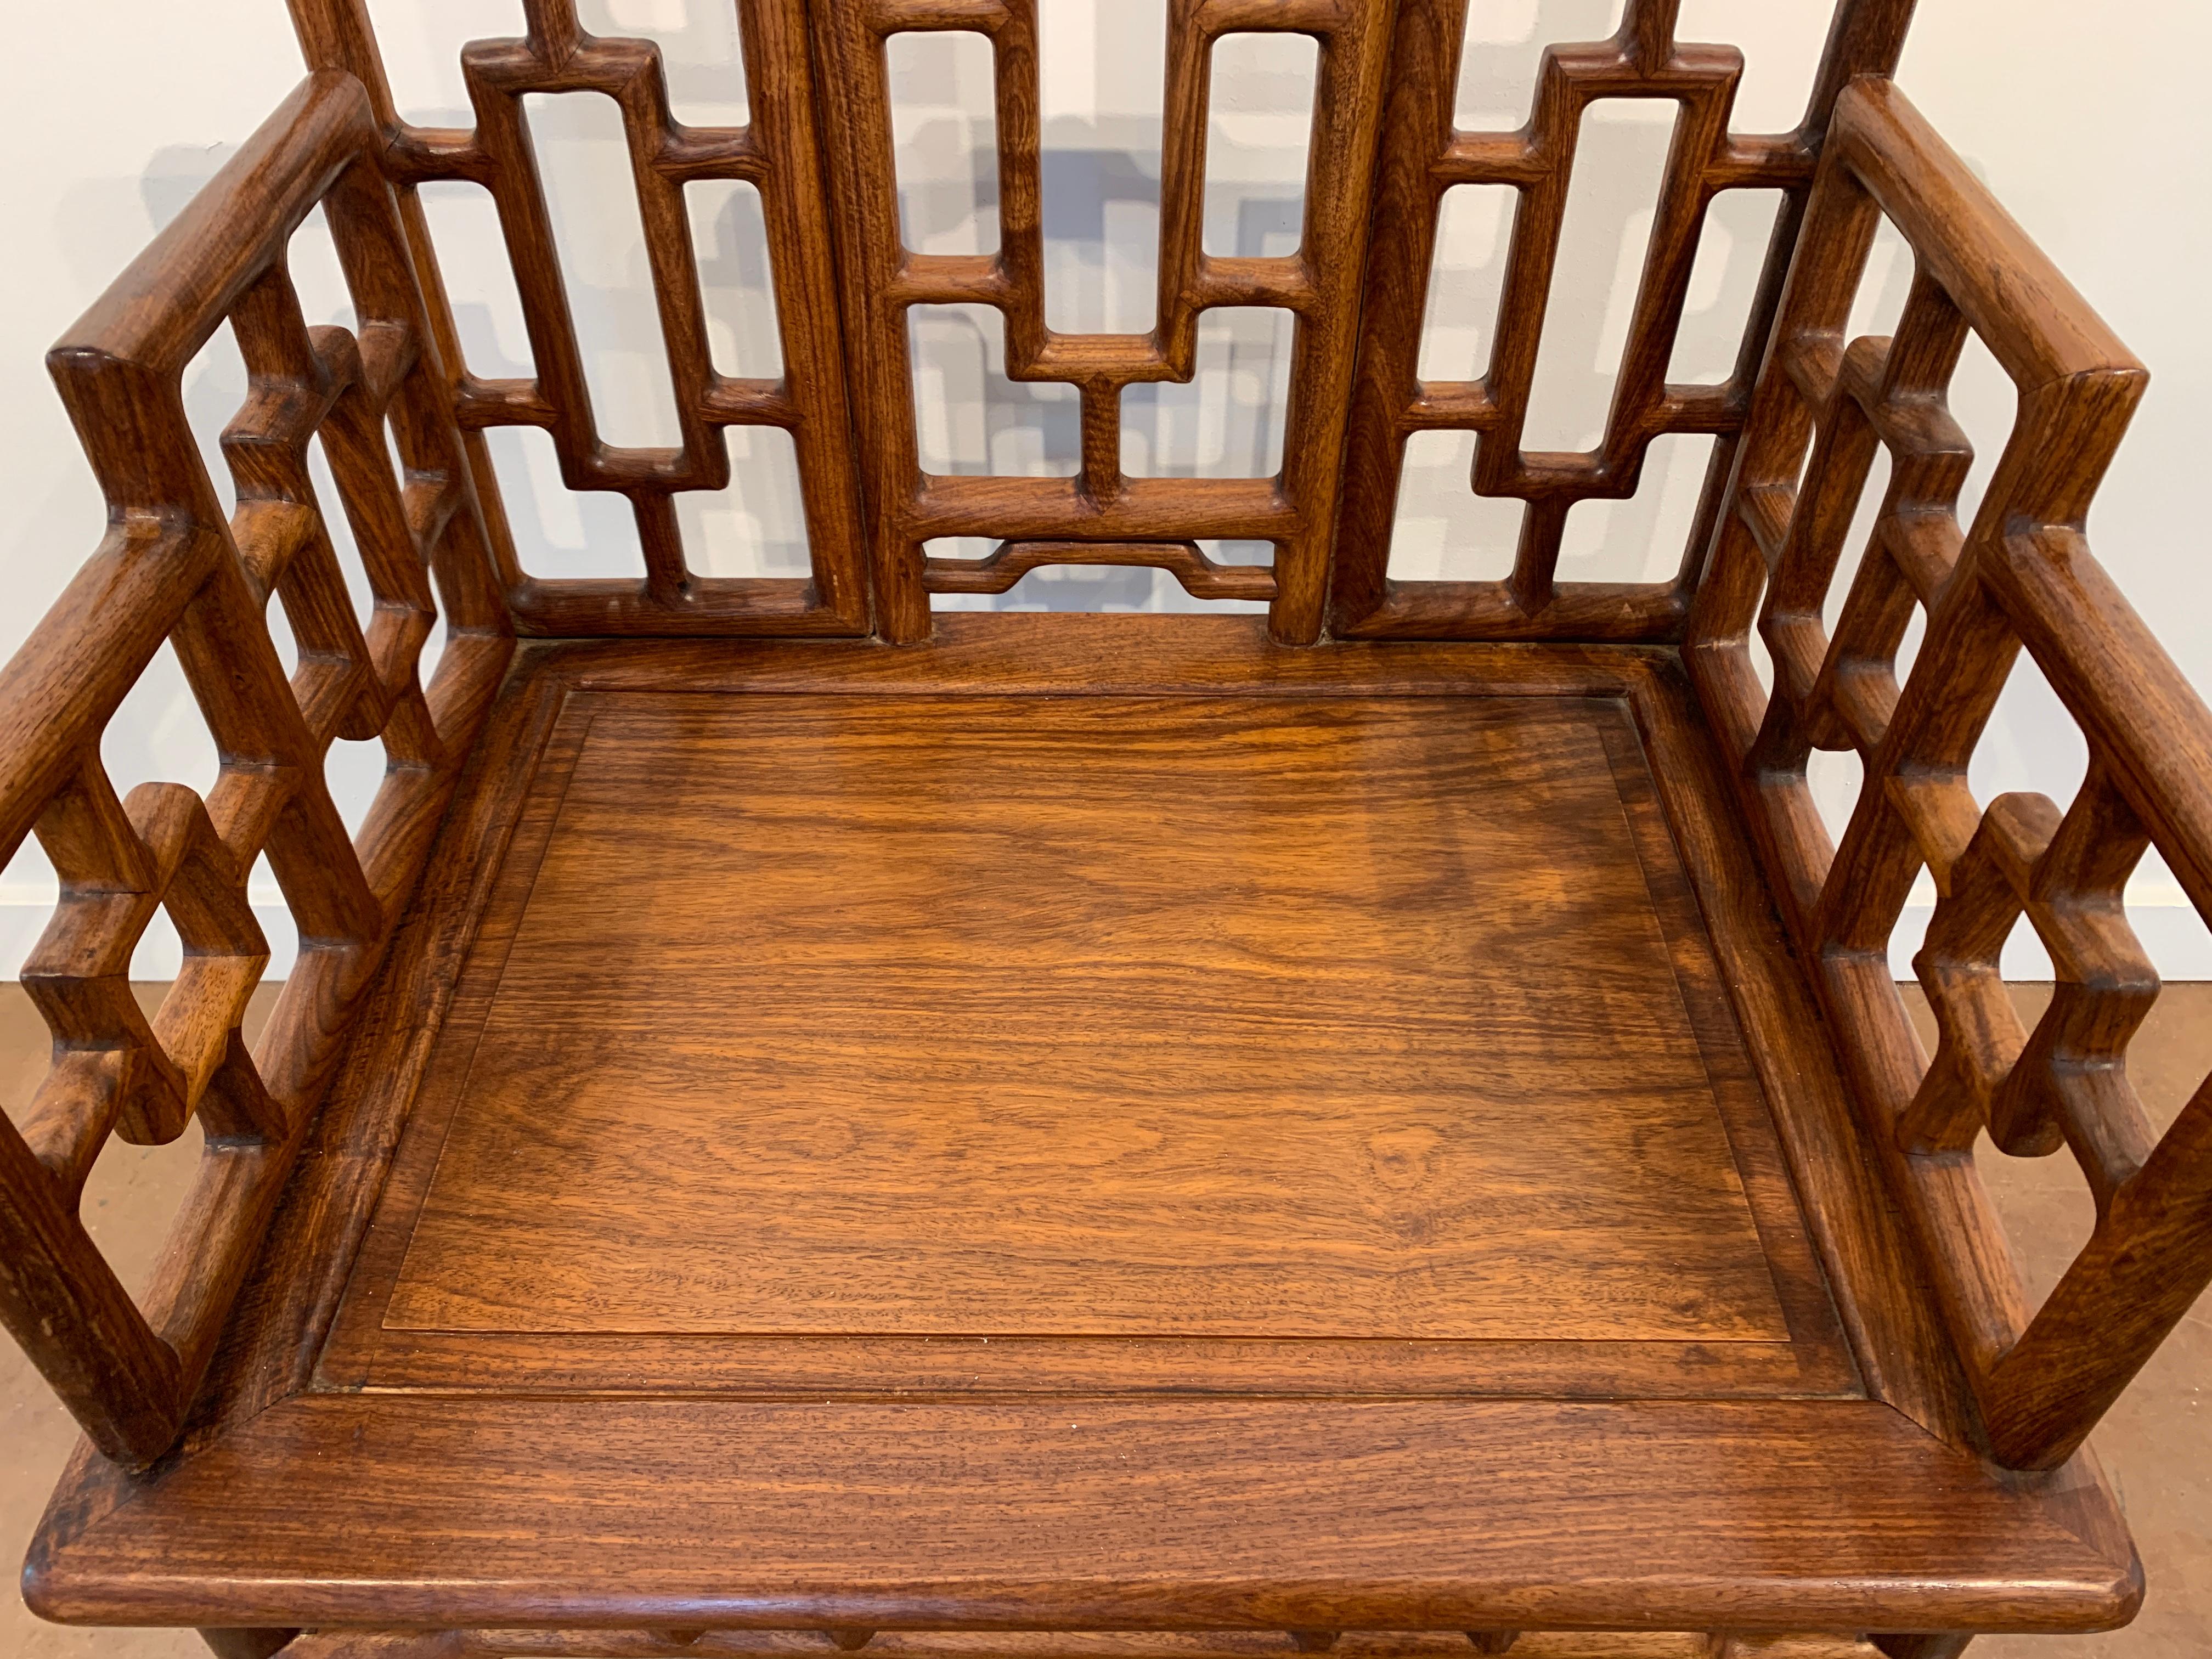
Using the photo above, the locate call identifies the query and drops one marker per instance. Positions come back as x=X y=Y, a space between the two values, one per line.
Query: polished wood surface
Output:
x=1087 y=1016
x=1075 y=1645
x=1421 y=156
x=1095 y=1123
x=775 y=152
x=1319 y=283
x=1200 y=575
x=1085 y=1514
x=586 y=1495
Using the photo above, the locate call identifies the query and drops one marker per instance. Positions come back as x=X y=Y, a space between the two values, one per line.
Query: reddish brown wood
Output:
x=1024 y=1102
x=2020 y=576
x=175 y=566
x=1201 y=578
x=1423 y=156
x=1077 y=1644
x=1158 y=659
x=776 y=153
x=1319 y=283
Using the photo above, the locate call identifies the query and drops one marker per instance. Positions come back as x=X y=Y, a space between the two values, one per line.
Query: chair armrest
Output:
x=175 y=567
x=2020 y=578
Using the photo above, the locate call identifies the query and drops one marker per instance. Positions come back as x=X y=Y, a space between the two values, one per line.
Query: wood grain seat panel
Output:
x=1147 y=1017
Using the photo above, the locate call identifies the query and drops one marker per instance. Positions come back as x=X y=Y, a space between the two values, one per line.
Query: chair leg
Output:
x=246 y=1644
x=1923 y=1647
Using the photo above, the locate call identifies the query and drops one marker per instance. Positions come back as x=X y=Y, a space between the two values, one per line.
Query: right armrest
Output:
x=2020 y=578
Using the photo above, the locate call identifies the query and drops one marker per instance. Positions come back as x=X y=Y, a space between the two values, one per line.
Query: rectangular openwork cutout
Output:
x=1100 y=504
x=758 y=525
x=1620 y=170
x=1443 y=530
x=945 y=141
x=1260 y=121
x=2019 y=578
x=1424 y=155
x=729 y=233
x=1100 y=81
x=1466 y=274
x=491 y=339
x=599 y=259
x=1724 y=283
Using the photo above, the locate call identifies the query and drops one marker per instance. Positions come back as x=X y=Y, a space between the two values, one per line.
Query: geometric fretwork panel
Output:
x=1425 y=156
x=2020 y=578
x=776 y=153
x=176 y=567
x=1101 y=515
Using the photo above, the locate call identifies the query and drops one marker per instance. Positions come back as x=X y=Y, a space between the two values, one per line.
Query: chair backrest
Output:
x=1382 y=155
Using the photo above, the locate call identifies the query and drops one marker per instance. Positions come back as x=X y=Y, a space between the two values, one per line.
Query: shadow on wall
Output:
x=1102 y=73
x=1101 y=91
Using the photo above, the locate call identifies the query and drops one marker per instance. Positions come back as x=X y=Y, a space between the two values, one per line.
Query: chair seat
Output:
x=871 y=1138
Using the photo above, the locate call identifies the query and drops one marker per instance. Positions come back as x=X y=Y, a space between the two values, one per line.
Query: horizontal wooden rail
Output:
x=2020 y=576
x=1201 y=578
x=175 y=567
x=1061 y=1645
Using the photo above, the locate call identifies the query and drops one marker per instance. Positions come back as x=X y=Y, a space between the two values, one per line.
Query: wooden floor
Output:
x=861 y=1136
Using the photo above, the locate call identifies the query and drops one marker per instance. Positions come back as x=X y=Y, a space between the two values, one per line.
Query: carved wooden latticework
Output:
x=1796 y=428
x=1319 y=284
x=2020 y=578
x=1422 y=157
x=175 y=567
x=1383 y=119
x=776 y=153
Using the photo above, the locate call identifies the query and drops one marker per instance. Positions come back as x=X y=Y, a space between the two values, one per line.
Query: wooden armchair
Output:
x=1378 y=1129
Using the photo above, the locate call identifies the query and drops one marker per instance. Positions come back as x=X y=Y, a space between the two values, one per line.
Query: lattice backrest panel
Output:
x=1424 y=155
x=776 y=153
x=1049 y=520
x=174 y=566
x=1381 y=137
x=2021 y=577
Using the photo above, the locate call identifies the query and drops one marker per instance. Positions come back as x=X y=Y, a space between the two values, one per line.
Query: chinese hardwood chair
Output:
x=1384 y=1127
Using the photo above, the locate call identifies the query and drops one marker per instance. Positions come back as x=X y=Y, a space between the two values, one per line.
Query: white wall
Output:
x=2091 y=133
